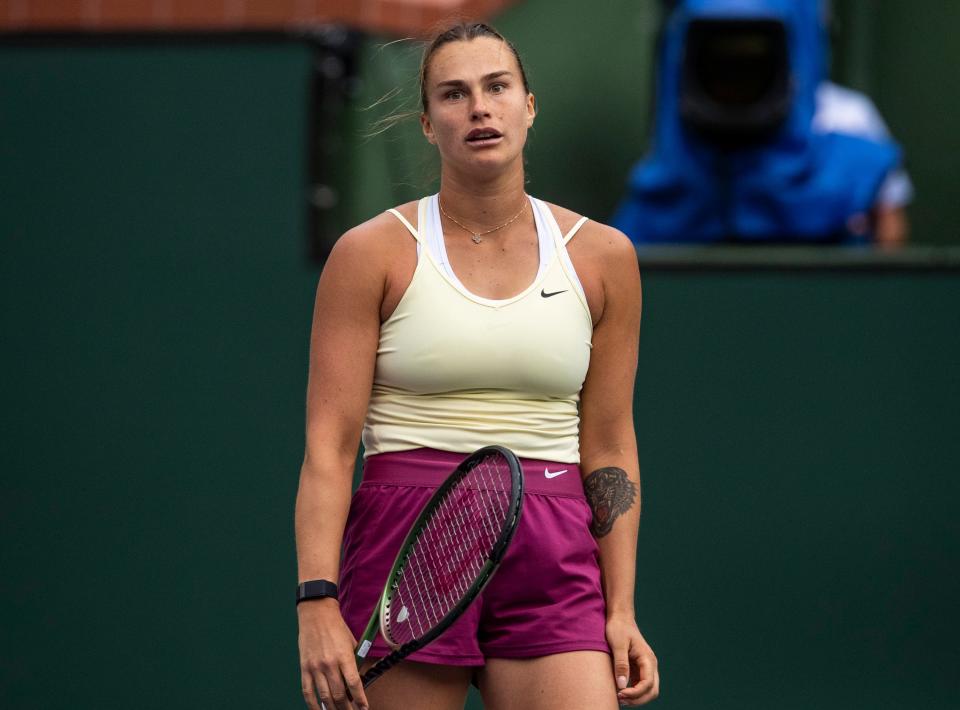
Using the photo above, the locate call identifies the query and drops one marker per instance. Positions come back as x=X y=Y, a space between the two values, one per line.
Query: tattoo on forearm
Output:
x=610 y=494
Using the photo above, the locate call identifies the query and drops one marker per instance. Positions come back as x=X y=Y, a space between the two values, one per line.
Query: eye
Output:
x=454 y=95
x=498 y=88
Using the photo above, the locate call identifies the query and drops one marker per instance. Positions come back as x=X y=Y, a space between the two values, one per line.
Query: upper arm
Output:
x=343 y=343
x=606 y=401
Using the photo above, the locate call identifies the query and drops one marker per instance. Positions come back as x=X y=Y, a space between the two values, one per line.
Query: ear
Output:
x=531 y=109
x=427 y=129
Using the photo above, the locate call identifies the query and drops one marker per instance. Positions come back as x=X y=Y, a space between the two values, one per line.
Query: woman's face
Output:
x=478 y=111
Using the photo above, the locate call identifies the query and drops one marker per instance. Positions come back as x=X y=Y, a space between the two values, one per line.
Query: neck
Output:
x=482 y=203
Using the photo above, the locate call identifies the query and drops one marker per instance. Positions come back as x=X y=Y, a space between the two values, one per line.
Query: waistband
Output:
x=430 y=467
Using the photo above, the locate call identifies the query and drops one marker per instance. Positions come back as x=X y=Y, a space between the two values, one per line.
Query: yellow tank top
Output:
x=456 y=371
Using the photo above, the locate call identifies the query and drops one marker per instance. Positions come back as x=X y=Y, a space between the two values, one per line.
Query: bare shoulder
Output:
x=595 y=240
x=376 y=237
x=374 y=245
x=606 y=243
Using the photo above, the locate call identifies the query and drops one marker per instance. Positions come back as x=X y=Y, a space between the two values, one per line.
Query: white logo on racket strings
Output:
x=553 y=474
x=403 y=615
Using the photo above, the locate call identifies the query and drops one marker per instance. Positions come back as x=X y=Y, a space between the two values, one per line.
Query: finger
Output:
x=621 y=667
x=352 y=678
x=338 y=692
x=643 y=677
x=309 y=691
x=629 y=696
x=323 y=690
x=651 y=694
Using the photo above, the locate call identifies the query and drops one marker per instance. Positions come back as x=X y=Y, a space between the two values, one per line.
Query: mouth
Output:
x=480 y=137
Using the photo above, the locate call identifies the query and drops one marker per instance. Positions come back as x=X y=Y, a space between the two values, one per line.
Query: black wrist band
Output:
x=316 y=589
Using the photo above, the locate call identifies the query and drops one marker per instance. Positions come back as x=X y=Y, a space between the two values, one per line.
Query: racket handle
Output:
x=386 y=663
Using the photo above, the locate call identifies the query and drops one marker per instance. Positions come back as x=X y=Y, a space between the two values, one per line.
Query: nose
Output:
x=479 y=109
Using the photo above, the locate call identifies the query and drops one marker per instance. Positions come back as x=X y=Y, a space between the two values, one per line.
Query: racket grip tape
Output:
x=387 y=662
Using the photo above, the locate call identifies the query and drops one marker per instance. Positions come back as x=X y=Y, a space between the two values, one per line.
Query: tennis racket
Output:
x=447 y=558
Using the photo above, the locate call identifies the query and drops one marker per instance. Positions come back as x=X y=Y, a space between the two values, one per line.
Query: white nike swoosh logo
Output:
x=553 y=474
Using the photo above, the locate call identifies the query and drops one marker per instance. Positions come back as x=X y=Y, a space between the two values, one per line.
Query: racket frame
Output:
x=382 y=609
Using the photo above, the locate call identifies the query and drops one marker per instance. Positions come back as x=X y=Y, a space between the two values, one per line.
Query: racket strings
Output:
x=441 y=583
x=451 y=550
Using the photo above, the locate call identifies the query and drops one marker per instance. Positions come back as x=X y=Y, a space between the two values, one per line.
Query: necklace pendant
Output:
x=476 y=238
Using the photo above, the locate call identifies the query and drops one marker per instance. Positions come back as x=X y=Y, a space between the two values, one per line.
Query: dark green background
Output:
x=156 y=303
x=798 y=429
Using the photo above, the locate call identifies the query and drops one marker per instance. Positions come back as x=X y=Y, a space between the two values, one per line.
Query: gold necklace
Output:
x=475 y=236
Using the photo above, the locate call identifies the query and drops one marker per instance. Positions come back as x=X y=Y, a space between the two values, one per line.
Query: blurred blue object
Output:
x=734 y=155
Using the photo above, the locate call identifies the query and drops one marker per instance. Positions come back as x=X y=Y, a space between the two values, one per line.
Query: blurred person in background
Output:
x=753 y=145
x=843 y=110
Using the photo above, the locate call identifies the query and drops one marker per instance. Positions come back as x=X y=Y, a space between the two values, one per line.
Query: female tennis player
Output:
x=477 y=316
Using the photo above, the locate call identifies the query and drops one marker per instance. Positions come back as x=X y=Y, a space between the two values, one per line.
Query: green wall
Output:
x=155 y=307
x=799 y=451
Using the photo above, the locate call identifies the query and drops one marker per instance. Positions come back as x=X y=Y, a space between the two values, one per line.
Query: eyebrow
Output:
x=461 y=82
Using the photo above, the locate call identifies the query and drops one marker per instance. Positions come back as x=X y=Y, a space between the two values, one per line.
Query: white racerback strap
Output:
x=574 y=230
x=413 y=231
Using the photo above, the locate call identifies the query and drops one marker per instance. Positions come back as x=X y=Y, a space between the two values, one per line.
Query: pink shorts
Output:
x=545 y=598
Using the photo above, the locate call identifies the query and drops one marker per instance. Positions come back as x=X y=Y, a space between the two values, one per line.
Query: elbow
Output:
x=608 y=443
x=327 y=463
x=327 y=455
x=332 y=435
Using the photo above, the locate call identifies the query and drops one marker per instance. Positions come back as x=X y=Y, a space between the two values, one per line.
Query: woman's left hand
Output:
x=634 y=663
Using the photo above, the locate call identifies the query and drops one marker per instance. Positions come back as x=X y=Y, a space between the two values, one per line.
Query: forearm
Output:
x=327 y=662
x=612 y=486
x=323 y=501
